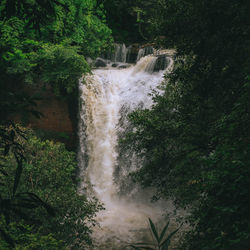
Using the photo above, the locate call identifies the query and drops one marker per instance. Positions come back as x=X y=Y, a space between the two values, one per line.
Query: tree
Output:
x=202 y=157
x=41 y=43
x=48 y=174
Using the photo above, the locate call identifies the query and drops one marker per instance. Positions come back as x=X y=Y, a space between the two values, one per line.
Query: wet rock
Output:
x=59 y=122
x=144 y=51
x=89 y=60
x=148 y=50
x=124 y=66
x=132 y=53
x=100 y=63
x=161 y=63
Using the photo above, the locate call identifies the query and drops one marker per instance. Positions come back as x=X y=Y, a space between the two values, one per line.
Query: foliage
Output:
x=81 y=24
x=48 y=171
x=35 y=13
x=202 y=119
x=67 y=66
x=136 y=20
x=58 y=35
x=41 y=43
x=25 y=237
x=160 y=241
x=13 y=203
x=120 y=20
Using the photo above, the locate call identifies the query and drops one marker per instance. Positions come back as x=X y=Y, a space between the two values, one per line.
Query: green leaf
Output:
x=7 y=238
x=3 y=172
x=165 y=247
x=152 y=226
x=34 y=198
x=163 y=232
x=166 y=242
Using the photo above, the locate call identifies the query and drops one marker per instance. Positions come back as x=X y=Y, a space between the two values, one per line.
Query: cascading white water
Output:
x=104 y=97
x=149 y=50
x=120 y=53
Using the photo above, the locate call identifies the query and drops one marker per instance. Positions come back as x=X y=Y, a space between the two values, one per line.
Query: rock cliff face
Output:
x=59 y=120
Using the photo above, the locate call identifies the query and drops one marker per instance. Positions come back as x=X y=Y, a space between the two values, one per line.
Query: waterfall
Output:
x=148 y=50
x=146 y=64
x=107 y=96
x=120 y=53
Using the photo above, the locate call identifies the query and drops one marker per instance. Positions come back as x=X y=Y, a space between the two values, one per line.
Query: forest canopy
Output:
x=43 y=43
x=195 y=139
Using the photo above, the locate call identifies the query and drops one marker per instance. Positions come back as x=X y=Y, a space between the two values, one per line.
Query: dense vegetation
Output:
x=36 y=36
x=195 y=140
x=43 y=44
x=48 y=175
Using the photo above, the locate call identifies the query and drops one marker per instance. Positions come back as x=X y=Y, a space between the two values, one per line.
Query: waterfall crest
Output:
x=133 y=54
x=107 y=96
x=148 y=50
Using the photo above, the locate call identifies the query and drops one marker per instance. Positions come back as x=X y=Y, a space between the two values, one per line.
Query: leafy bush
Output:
x=49 y=172
x=68 y=66
x=49 y=46
x=25 y=237
x=195 y=139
